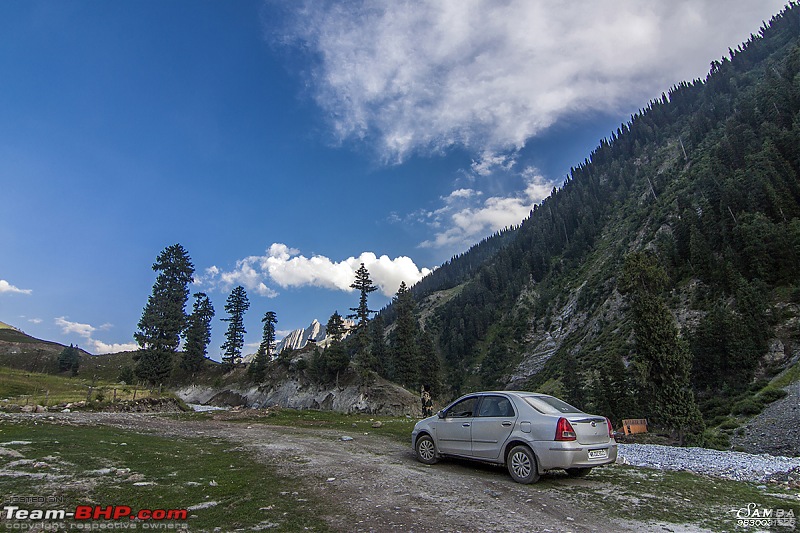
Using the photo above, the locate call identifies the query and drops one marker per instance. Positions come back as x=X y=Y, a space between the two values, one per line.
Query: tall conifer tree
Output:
x=258 y=367
x=662 y=356
x=378 y=349
x=429 y=366
x=198 y=334
x=335 y=358
x=164 y=317
x=404 y=342
x=363 y=284
x=236 y=306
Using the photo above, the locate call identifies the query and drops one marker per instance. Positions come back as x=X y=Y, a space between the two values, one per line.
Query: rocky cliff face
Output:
x=380 y=398
x=300 y=337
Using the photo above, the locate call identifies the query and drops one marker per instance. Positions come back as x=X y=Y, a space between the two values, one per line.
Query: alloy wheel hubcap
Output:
x=426 y=450
x=521 y=464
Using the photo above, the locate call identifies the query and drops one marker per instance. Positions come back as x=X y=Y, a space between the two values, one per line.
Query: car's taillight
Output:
x=610 y=429
x=564 y=430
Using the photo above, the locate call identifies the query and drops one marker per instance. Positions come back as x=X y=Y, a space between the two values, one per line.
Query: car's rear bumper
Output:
x=553 y=455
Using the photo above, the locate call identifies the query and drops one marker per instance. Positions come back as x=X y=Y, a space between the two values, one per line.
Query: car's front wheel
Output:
x=522 y=465
x=426 y=450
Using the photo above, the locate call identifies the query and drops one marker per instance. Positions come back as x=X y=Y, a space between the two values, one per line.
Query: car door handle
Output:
x=507 y=424
x=465 y=424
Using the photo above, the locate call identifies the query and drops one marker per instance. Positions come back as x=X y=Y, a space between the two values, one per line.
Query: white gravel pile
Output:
x=737 y=466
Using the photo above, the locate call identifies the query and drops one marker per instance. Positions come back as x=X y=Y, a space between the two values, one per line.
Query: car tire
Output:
x=521 y=463
x=426 y=450
x=578 y=472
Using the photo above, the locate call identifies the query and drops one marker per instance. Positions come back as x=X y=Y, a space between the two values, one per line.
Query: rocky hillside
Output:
x=289 y=384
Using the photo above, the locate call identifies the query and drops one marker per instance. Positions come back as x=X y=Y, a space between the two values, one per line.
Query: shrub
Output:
x=714 y=406
x=748 y=406
x=771 y=394
x=728 y=424
x=758 y=385
x=717 y=420
x=715 y=440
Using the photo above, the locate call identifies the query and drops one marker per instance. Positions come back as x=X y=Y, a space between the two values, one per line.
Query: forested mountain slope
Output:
x=706 y=180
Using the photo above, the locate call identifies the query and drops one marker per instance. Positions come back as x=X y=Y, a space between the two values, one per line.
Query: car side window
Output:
x=496 y=406
x=463 y=409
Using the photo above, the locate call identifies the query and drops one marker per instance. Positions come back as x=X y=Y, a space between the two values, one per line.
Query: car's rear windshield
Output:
x=551 y=405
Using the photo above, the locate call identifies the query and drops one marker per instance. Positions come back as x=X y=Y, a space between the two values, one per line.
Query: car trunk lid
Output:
x=590 y=430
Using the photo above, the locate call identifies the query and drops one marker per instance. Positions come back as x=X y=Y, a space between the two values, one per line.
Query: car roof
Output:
x=521 y=394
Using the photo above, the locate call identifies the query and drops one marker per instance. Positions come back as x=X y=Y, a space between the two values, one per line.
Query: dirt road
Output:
x=375 y=484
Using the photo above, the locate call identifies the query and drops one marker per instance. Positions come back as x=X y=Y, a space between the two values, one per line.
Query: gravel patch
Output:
x=738 y=466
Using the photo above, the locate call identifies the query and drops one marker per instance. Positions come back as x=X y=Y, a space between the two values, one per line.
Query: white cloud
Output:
x=461 y=193
x=6 y=287
x=87 y=330
x=67 y=327
x=467 y=222
x=422 y=76
x=246 y=275
x=100 y=347
x=35 y=320
x=490 y=162
x=285 y=267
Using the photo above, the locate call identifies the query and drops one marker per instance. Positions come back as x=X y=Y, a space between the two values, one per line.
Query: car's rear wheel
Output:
x=426 y=450
x=578 y=472
x=521 y=465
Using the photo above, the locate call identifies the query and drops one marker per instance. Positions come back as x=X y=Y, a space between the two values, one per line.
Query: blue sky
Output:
x=283 y=143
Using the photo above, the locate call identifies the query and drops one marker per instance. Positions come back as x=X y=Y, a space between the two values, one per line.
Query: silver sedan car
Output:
x=530 y=433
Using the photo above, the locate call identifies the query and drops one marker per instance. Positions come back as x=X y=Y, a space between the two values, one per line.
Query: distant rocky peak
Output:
x=298 y=338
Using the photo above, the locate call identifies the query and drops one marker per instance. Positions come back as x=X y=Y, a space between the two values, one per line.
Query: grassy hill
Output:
x=22 y=387
x=23 y=352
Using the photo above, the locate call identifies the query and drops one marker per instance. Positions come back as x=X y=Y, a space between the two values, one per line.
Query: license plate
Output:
x=598 y=454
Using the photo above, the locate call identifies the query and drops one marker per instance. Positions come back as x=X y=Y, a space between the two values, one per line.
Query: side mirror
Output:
x=441 y=413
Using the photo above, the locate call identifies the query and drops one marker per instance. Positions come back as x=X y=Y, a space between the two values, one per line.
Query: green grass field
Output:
x=219 y=485
x=21 y=387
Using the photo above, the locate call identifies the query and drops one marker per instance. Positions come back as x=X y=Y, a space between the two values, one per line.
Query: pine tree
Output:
x=335 y=328
x=236 y=305
x=126 y=375
x=573 y=381
x=662 y=356
x=69 y=359
x=164 y=316
x=383 y=364
x=334 y=359
x=198 y=334
x=363 y=284
x=258 y=368
x=429 y=366
x=404 y=341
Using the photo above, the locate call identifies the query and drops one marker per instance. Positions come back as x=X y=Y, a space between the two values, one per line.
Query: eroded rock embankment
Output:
x=380 y=398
